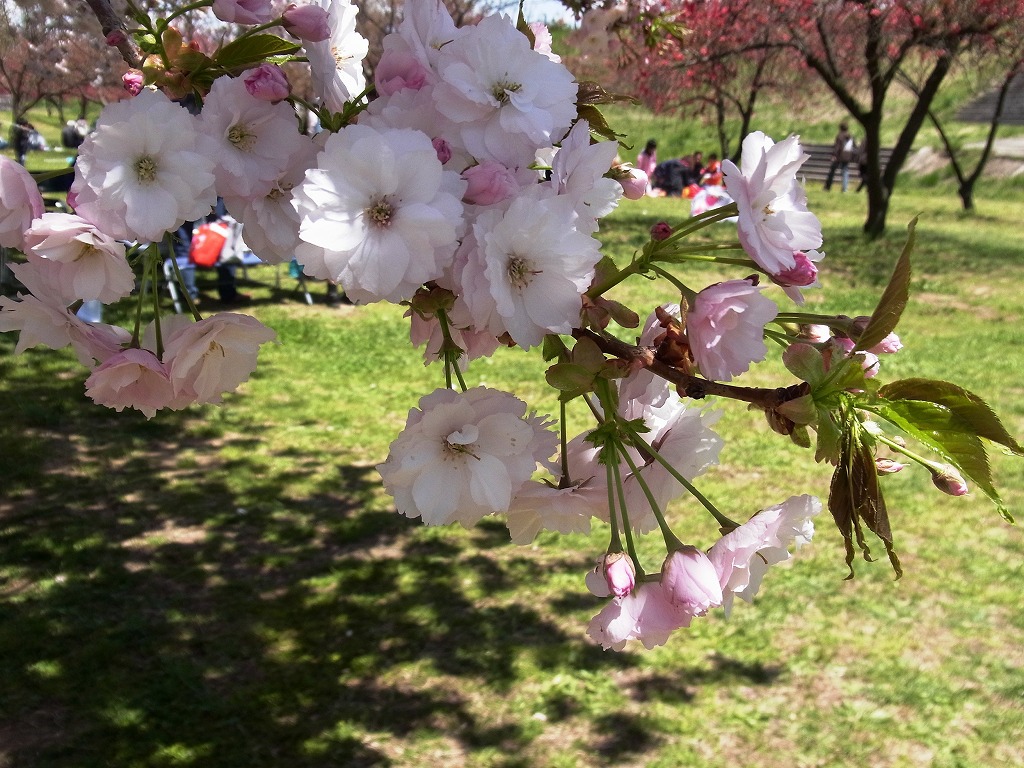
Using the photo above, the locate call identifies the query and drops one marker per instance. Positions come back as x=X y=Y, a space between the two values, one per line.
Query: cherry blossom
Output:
x=379 y=214
x=243 y=11
x=464 y=455
x=138 y=175
x=86 y=263
x=773 y=217
x=132 y=378
x=531 y=269
x=20 y=202
x=507 y=98
x=251 y=140
x=725 y=328
x=214 y=355
x=742 y=556
x=336 y=63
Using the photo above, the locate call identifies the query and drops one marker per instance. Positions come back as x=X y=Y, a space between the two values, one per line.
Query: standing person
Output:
x=647 y=161
x=844 y=149
x=21 y=134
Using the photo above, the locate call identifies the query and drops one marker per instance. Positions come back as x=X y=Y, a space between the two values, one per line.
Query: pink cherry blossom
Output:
x=489 y=183
x=463 y=455
x=132 y=378
x=645 y=614
x=267 y=82
x=43 y=323
x=691 y=581
x=773 y=218
x=85 y=263
x=890 y=345
x=306 y=22
x=20 y=202
x=215 y=355
x=742 y=556
x=725 y=328
x=243 y=11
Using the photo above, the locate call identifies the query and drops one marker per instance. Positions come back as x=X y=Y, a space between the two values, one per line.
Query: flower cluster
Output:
x=470 y=190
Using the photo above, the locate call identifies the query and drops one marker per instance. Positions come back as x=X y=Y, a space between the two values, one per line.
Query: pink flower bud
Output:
x=443 y=149
x=267 y=82
x=888 y=466
x=619 y=573
x=132 y=81
x=948 y=480
x=116 y=37
x=398 y=70
x=691 y=581
x=489 y=183
x=661 y=231
x=243 y=11
x=890 y=345
x=306 y=22
x=802 y=274
x=816 y=334
x=634 y=183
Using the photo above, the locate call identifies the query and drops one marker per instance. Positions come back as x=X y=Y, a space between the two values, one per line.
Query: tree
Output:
x=857 y=49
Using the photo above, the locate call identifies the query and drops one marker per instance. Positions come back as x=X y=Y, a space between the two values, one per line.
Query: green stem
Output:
x=154 y=276
x=563 y=438
x=672 y=542
x=181 y=280
x=626 y=527
x=615 y=545
x=683 y=289
x=646 y=447
x=902 y=449
x=451 y=356
x=634 y=268
x=188 y=8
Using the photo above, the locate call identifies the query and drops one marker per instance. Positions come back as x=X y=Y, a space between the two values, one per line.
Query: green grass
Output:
x=229 y=586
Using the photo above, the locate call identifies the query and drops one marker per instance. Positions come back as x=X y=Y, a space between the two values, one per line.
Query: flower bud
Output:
x=489 y=183
x=661 y=231
x=132 y=81
x=888 y=466
x=633 y=181
x=691 y=581
x=890 y=345
x=443 y=149
x=306 y=22
x=802 y=274
x=267 y=82
x=947 y=479
x=619 y=573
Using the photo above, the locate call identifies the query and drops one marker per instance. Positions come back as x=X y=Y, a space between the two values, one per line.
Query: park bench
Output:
x=816 y=168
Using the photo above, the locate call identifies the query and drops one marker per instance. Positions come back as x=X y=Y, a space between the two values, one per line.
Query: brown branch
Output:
x=111 y=22
x=694 y=386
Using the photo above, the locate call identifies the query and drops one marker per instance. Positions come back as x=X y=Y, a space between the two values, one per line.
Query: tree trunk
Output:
x=966 y=192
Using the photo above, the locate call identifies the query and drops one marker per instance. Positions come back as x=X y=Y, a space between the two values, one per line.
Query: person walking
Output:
x=844 y=150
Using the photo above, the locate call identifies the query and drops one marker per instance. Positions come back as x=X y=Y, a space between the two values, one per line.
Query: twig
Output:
x=694 y=386
x=111 y=22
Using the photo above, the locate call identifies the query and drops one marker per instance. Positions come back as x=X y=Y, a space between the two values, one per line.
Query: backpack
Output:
x=207 y=243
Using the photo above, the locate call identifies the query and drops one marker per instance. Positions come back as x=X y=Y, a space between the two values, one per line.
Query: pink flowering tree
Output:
x=466 y=181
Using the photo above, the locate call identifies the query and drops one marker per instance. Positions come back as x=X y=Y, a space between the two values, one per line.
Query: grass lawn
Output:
x=230 y=587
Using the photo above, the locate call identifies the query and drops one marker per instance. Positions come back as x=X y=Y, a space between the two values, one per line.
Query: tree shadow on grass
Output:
x=285 y=619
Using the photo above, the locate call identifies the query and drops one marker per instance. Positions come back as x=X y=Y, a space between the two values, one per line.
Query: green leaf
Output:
x=967 y=406
x=569 y=377
x=894 y=300
x=944 y=432
x=805 y=362
x=553 y=347
x=254 y=49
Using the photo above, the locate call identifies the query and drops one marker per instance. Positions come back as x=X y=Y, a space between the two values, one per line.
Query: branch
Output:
x=694 y=386
x=111 y=22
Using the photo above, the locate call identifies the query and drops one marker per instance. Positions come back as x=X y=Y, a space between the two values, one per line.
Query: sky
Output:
x=547 y=10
